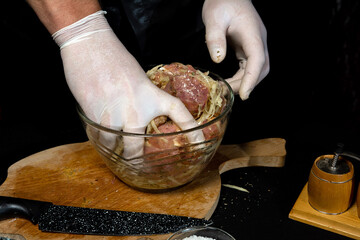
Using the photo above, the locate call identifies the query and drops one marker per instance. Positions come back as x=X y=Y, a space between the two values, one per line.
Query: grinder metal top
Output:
x=335 y=165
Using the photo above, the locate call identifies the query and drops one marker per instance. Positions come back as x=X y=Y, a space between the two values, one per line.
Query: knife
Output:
x=92 y=221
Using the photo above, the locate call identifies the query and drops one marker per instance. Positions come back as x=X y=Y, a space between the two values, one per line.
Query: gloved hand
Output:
x=110 y=85
x=238 y=22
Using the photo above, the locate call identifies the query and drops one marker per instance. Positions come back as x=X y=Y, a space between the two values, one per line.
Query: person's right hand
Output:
x=238 y=23
x=110 y=85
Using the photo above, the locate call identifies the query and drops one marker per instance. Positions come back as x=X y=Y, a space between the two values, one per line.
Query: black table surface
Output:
x=263 y=212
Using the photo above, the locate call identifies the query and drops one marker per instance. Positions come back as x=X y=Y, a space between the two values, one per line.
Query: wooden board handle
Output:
x=269 y=152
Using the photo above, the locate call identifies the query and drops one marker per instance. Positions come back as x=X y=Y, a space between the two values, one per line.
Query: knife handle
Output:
x=11 y=207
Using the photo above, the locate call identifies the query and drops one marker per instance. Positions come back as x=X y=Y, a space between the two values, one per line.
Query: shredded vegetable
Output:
x=161 y=75
x=236 y=188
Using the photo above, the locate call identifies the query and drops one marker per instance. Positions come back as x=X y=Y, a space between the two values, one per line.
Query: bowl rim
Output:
x=227 y=109
x=200 y=228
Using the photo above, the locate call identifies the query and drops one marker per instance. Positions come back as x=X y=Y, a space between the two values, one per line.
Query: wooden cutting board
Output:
x=75 y=175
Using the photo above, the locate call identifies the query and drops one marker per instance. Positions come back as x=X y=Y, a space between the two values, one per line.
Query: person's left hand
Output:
x=238 y=22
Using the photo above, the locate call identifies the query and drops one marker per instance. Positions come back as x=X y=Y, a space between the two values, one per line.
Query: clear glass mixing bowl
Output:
x=166 y=169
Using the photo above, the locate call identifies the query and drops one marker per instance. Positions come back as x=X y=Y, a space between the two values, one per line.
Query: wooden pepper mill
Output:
x=331 y=183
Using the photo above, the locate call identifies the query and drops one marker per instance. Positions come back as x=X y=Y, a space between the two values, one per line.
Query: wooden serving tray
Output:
x=347 y=223
x=74 y=175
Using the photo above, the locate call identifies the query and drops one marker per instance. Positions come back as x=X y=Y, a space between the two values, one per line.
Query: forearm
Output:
x=56 y=14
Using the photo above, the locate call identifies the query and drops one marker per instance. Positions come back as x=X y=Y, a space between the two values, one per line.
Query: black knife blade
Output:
x=78 y=220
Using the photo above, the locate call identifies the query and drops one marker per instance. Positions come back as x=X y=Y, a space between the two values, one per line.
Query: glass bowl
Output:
x=165 y=169
x=204 y=232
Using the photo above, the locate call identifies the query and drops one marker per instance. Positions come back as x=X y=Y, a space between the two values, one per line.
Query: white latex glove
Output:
x=110 y=85
x=238 y=22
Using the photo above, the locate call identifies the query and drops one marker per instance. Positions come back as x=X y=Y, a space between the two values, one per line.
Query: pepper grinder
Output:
x=331 y=182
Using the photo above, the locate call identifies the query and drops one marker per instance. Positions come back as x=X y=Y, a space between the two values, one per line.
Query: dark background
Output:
x=311 y=97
